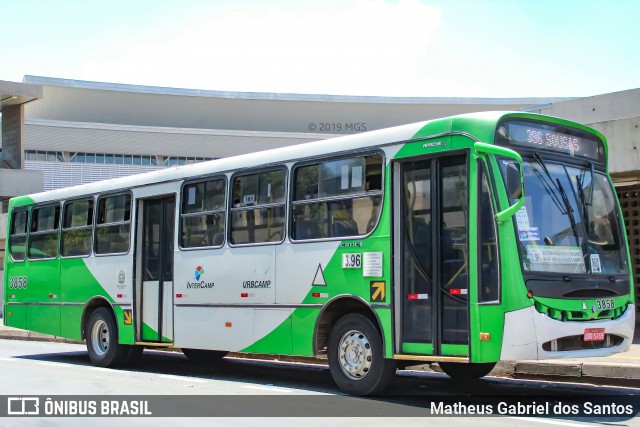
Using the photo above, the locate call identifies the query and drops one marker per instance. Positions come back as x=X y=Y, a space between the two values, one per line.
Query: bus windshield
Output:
x=569 y=222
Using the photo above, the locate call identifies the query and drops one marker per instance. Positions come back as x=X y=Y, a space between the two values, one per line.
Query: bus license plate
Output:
x=593 y=334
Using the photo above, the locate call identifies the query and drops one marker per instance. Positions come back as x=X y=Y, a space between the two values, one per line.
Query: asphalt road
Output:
x=47 y=368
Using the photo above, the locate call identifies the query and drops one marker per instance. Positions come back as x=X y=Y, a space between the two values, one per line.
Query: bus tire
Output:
x=466 y=372
x=204 y=357
x=102 y=340
x=356 y=357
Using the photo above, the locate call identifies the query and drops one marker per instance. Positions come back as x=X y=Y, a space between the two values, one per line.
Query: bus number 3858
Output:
x=18 y=282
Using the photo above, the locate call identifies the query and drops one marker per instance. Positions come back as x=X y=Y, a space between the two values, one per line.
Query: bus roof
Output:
x=484 y=123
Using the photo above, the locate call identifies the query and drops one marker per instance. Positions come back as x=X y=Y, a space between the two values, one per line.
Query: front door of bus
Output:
x=432 y=270
x=156 y=245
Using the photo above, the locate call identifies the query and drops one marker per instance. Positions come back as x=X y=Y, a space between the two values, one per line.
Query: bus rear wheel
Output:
x=466 y=372
x=104 y=350
x=204 y=357
x=356 y=357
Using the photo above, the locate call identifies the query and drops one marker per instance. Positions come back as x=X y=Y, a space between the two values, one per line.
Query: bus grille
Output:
x=579 y=315
x=576 y=342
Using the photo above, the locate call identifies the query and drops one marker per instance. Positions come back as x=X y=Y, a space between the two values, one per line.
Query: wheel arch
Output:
x=93 y=304
x=336 y=308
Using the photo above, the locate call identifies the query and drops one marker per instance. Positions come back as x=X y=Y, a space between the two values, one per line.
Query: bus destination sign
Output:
x=549 y=137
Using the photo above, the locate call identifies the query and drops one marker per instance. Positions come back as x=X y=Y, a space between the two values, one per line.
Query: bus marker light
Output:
x=458 y=292
x=485 y=336
x=119 y=296
x=320 y=295
x=417 y=296
x=245 y=295
x=53 y=296
x=529 y=294
x=10 y=313
x=12 y=297
x=227 y=324
x=178 y=295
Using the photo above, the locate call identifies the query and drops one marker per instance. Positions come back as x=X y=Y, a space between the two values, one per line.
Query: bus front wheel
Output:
x=466 y=371
x=102 y=341
x=356 y=357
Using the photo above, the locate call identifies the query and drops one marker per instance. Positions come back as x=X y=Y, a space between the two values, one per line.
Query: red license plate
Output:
x=594 y=334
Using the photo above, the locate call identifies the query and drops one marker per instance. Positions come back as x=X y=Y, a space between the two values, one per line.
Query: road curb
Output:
x=600 y=373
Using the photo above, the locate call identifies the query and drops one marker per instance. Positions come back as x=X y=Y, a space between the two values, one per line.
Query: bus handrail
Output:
x=483 y=147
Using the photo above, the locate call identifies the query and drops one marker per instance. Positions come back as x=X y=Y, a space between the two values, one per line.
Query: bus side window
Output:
x=18 y=236
x=337 y=198
x=43 y=240
x=488 y=245
x=203 y=214
x=113 y=227
x=258 y=211
x=76 y=228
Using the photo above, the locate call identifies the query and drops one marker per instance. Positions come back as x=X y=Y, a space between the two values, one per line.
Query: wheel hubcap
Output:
x=100 y=338
x=354 y=354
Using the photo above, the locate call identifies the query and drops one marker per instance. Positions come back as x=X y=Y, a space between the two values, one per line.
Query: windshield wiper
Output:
x=572 y=220
x=592 y=187
x=584 y=202
x=557 y=186
x=550 y=191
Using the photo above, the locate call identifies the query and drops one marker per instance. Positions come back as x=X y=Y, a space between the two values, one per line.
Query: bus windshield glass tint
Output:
x=569 y=223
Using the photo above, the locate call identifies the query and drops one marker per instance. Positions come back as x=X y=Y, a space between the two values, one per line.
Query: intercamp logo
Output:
x=23 y=406
x=199 y=271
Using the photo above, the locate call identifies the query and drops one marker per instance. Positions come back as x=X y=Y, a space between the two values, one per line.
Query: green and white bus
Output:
x=464 y=240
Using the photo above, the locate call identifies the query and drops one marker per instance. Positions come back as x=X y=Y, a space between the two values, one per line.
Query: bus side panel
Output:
x=79 y=285
x=110 y=277
x=278 y=339
x=44 y=319
x=293 y=336
x=126 y=333
x=16 y=295
x=44 y=291
x=15 y=316
x=70 y=318
x=304 y=321
x=214 y=328
x=385 y=315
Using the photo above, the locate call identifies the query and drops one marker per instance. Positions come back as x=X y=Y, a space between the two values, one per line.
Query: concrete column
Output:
x=13 y=136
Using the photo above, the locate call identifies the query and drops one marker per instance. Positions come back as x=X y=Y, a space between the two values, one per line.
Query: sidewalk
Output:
x=622 y=369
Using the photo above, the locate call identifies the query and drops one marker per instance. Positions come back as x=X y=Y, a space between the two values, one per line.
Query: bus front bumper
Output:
x=526 y=331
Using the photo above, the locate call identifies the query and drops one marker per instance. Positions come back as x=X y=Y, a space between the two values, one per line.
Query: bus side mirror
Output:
x=513 y=181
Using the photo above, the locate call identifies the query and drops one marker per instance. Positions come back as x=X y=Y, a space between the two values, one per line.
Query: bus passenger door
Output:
x=431 y=256
x=156 y=223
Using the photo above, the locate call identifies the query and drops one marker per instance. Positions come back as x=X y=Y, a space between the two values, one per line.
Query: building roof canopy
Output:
x=12 y=93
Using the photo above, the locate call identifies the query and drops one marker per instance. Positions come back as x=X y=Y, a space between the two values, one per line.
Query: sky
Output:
x=407 y=48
